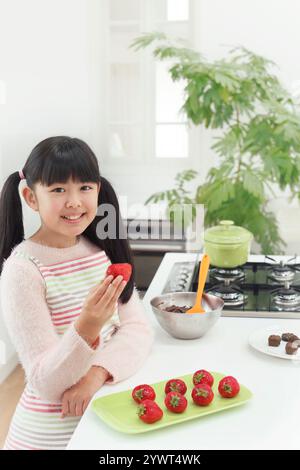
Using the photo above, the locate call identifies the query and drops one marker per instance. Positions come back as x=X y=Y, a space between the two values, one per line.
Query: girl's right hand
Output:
x=101 y=302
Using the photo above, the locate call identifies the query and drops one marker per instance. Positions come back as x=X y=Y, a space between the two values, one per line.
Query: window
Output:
x=143 y=103
x=168 y=120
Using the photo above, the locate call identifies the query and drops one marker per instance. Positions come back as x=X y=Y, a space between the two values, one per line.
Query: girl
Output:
x=73 y=328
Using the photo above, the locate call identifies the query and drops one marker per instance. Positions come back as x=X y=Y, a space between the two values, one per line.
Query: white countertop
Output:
x=270 y=420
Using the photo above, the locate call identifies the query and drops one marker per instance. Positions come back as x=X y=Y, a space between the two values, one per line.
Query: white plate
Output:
x=259 y=341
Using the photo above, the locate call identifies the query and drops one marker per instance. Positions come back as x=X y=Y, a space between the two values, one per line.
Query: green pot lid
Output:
x=226 y=233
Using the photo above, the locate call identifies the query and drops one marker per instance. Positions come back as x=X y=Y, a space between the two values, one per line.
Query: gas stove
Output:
x=265 y=286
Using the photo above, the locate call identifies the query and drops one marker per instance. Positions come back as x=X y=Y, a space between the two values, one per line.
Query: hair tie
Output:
x=21 y=174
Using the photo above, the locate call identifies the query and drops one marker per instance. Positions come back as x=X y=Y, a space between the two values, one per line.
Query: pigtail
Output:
x=118 y=250
x=11 y=217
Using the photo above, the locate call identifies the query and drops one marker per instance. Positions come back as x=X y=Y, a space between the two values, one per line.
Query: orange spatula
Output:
x=201 y=283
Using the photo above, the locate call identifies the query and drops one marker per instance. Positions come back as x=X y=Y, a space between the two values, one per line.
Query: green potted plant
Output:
x=258 y=142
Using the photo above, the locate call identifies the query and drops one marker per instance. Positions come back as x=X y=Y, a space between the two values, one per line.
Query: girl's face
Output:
x=60 y=201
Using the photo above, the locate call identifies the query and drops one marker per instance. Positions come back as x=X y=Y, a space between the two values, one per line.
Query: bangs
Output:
x=66 y=158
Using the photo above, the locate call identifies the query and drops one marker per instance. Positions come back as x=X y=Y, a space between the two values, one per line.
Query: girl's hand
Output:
x=76 y=398
x=101 y=302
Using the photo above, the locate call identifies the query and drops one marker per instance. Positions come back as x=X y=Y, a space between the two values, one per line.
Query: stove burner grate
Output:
x=284 y=271
x=232 y=295
x=222 y=274
x=286 y=297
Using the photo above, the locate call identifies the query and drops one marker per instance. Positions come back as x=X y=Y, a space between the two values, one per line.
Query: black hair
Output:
x=55 y=160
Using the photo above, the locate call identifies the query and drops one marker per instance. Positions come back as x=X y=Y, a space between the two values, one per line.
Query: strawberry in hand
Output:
x=120 y=269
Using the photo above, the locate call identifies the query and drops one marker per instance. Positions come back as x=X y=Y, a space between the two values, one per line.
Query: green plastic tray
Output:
x=119 y=410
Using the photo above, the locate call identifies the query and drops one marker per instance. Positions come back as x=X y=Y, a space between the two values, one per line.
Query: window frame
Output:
x=148 y=123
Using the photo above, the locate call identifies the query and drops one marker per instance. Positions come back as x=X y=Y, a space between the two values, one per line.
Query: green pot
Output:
x=227 y=244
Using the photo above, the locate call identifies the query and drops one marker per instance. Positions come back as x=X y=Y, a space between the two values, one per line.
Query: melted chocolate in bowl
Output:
x=169 y=310
x=173 y=308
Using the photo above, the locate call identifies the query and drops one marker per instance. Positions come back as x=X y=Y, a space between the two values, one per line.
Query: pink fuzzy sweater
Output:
x=53 y=363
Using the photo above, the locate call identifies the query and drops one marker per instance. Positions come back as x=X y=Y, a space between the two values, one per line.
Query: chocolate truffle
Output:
x=274 y=340
x=288 y=337
x=291 y=348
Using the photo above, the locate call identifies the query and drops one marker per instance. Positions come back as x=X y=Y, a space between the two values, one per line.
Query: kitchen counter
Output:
x=270 y=420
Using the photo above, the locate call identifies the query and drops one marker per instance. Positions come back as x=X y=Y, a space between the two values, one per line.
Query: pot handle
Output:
x=226 y=224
